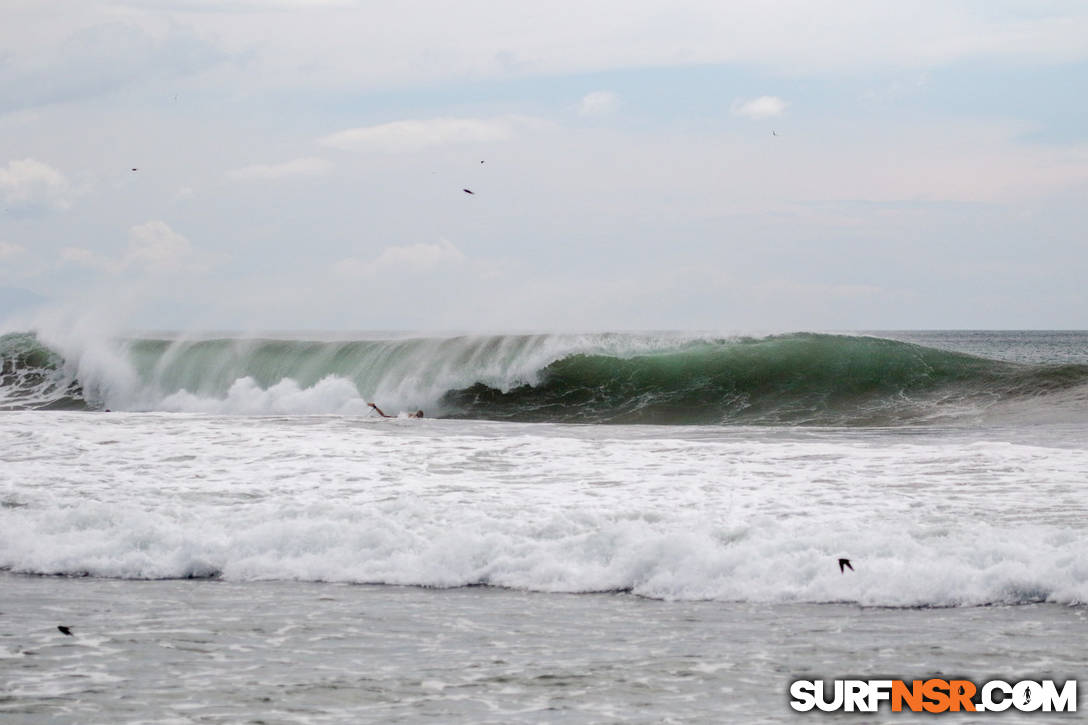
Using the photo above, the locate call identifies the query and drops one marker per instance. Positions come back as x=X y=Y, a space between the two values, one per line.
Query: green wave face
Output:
x=33 y=376
x=793 y=379
x=798 y=379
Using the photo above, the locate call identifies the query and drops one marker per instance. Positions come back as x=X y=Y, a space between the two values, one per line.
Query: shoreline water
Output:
x=180 y=651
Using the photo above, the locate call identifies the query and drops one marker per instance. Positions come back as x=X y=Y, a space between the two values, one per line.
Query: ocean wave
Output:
x=661 y=557
x=32 y=376
x=795 y=379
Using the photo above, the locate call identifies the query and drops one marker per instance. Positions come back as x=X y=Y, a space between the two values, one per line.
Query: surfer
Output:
x=417 y=414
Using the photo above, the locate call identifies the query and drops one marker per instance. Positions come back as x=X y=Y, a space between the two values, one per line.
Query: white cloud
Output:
x=153 y=247
x=185 y=192
x=759 y=108
x=30 y=185
x=598 y=103
x=417 y=135
x=350 y=45
x=400 y=259
x=309 y=166
x=254 y=6
x=419 y=255
x=61 y=63
x=83 y=258
x=7 y=249
x=340 y=44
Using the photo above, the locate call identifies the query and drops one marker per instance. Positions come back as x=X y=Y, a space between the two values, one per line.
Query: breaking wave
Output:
x=794 y=379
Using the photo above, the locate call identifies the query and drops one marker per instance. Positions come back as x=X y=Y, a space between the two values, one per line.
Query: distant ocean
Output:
x=613 y=527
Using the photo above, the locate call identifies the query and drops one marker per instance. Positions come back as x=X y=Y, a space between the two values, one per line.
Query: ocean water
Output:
x=584 y=528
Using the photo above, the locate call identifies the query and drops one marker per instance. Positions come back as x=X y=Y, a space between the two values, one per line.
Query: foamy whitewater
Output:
x=681 y=492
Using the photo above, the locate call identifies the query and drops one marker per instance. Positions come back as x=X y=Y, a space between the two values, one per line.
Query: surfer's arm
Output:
x=375 y=407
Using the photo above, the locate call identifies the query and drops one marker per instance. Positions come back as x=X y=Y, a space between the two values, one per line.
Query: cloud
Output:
x=417 y=135
x=101 y=59
x=153 y=247
x=410 y=258
x=83 y=258
x=7 y=249
x=474 y=40
x=305 y=167
x=252 y=6
x=322 y=45
x=759 y=108
x=185 y=192
x=598 y=103
x=31 y=186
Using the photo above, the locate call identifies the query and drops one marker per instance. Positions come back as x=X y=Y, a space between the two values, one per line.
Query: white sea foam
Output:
x=747 y=515
x=331 y=394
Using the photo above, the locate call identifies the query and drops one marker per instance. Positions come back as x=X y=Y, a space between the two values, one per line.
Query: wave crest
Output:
x=796 y=379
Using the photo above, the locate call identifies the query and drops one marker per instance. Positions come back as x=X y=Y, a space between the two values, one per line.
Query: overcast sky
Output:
x=691 y=164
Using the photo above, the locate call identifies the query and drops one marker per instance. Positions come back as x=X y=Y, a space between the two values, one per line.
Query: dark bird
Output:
x=481 y=161
x=844 y=564
x=65 y=630
x=774 y=133
x=469 y=191
x=135 y=169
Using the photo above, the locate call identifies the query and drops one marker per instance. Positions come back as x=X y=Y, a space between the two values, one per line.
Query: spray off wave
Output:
x=796 y=379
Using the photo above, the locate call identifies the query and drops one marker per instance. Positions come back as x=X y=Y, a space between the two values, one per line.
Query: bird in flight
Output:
x=65 y=630
x=844 y=564
x=469 y=191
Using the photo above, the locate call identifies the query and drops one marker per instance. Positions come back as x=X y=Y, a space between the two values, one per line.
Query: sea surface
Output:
x=583 y=529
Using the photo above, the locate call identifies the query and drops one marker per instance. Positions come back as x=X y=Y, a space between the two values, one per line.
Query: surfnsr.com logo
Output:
x=933 y=695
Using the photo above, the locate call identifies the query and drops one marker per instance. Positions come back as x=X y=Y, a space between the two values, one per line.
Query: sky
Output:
x=689 y=165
